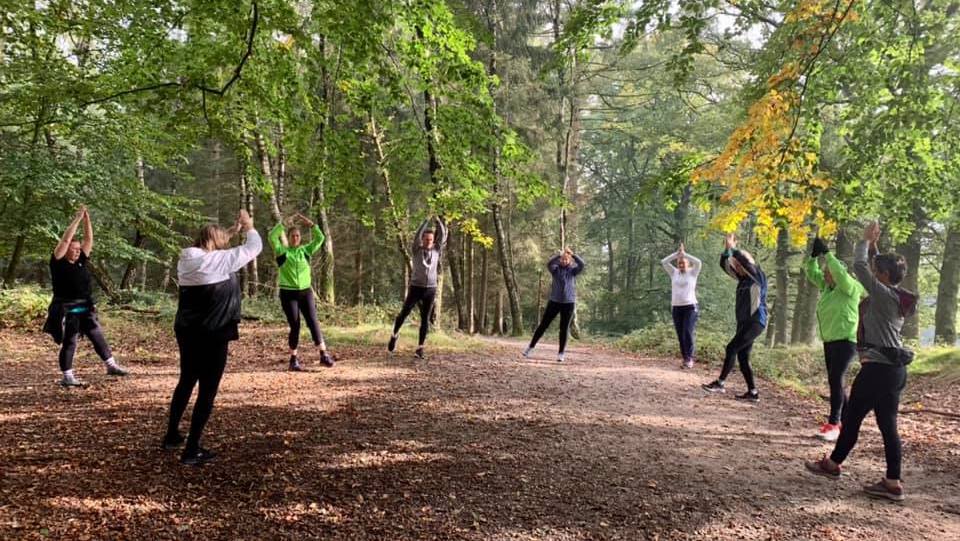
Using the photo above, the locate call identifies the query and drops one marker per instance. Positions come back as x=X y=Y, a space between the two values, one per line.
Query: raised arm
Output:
x=667 y=265
x=234 y=259
x=695 y=264
x=87 y=245
x=275 y=237
x=553 y=265
x=61 y=248
x=418 y=236
x=581 y=264
x=863 y=253
x=316 y=239
x=441 y=238
x=845 y=283
x=814 y=274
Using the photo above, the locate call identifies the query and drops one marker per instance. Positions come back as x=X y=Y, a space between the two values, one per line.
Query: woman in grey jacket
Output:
x=883 y=372
x=564 y=267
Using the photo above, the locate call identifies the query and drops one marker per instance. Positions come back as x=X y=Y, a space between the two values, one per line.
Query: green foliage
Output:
x=23 y=306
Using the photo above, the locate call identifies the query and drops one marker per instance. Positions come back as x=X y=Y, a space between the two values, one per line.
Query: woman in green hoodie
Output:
x=837 y=318
x=296 y=293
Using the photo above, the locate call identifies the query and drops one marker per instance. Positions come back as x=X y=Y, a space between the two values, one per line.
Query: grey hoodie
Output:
x=425 y=262
x=882 y=313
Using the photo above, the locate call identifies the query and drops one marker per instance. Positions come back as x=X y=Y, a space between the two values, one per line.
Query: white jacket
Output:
x=199 y=267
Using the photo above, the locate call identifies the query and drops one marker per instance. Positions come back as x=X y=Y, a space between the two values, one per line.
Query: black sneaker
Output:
x=295 y=365
x=117 y=370
x=714 y=387
x=419 y=353
x=197 y=458
x=170 y=443
x=392 y=346
x=326 y=359
x=749 y=397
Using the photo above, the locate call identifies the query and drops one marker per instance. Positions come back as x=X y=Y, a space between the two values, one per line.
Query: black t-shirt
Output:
x=71 y=280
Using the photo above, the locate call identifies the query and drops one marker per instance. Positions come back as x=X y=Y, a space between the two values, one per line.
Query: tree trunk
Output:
x=803 y=330
x=482 y=309
x=376 y=138
x=946 y=313
x=103 y=279
x=358 y=264
x=138 y=238
x=471 y=288
x=267 y=171
x=251 y=274
x=499 y=326
x=455 y=258
x=783 y=286
x=910 y=250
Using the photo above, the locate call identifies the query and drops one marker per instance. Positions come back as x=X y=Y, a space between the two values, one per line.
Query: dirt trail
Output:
x=461 y=446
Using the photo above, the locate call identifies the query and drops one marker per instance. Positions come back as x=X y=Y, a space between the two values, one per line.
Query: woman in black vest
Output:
x=206 y=321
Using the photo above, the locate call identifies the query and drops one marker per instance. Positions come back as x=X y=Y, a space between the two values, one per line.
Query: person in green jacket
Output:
x=296 y=293
x=837 y=319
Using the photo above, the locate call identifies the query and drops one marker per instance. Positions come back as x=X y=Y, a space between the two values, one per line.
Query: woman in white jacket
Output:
x=683 y=280
x=207 y=316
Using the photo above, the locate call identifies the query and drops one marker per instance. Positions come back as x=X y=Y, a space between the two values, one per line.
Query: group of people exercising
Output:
x=857 y=316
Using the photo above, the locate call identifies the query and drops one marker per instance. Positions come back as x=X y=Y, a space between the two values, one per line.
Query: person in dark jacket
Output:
x=72 y=313
x=206 y=322
x=751 y=310
x=883 y=364
x=564 y=268
x=427 y=251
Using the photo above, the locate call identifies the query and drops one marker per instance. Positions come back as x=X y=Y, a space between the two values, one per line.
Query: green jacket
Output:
x=295 y=262
x=838 y=308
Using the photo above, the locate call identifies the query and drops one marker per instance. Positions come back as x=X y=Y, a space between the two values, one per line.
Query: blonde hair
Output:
x=211 y=234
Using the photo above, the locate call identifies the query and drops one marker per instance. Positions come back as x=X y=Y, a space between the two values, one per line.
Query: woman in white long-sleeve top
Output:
x=206 y=321
x=683 y=298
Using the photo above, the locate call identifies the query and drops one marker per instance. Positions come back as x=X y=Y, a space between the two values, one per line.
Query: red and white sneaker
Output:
x=829 y=432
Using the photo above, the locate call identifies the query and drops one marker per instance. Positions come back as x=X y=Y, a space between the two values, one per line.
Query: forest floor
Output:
x=465 y=445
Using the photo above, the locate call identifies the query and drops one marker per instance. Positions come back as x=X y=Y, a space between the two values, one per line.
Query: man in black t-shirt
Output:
x=72 y=313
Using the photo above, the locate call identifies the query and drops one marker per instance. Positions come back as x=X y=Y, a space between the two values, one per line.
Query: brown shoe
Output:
x=881 y=489
x=823 y=468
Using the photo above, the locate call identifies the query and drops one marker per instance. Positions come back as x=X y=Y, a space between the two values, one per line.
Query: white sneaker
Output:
x=527 y=351
x=69 y=380
x=560 y=357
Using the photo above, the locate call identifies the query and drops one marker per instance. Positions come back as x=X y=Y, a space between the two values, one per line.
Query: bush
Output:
x=661 y=340
x=23 y=306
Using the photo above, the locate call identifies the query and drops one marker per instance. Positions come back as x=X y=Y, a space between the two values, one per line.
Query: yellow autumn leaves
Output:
x=766 y=169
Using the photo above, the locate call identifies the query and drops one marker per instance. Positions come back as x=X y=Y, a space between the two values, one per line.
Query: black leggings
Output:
x=78 y=325
x=877 y=387
x=739 y=348
x=837 y=355
x=565 y=309
x=294 y=303
x=424 y=296
x=685 y=322
x=202 y=360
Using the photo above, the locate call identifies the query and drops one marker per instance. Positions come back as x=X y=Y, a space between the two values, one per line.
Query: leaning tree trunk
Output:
x=376 y=137
x=946 y=313
x=783 y=286
x=498 y=324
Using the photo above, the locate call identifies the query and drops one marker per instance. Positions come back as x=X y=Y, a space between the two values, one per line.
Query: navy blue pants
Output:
x=685 y=322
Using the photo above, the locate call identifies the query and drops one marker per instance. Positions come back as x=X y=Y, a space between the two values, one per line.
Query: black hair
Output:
x=893 y=264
